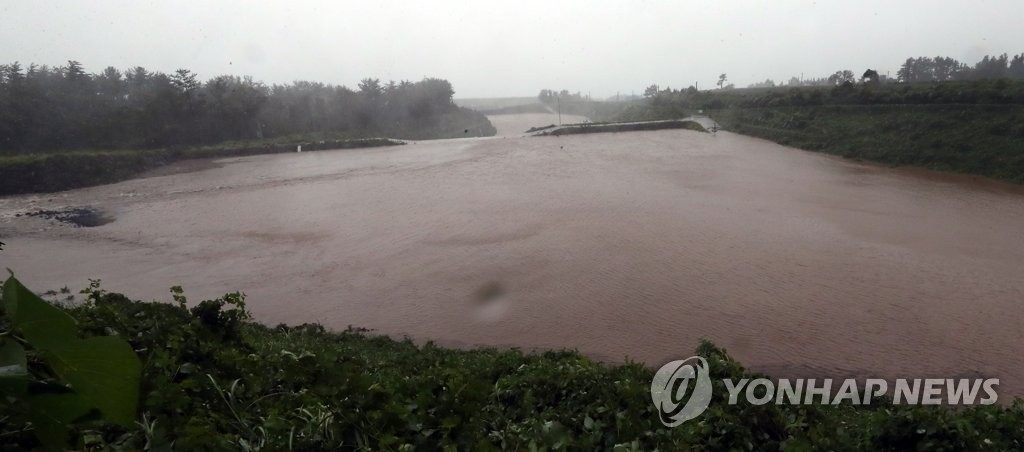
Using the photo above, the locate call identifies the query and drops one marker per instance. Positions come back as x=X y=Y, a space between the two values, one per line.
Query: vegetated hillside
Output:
x=65 y=110
x=973 y=127
x=455 y=123
x=211 y=379
x=987 y=140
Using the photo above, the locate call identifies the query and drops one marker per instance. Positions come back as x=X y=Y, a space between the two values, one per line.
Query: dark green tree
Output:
x=870 y=77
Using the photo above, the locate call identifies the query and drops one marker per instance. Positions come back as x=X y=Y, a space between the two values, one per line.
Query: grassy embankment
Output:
x=49 y=172
x=56 y=171
x=211 y=379
x=458 y=123
x=984 y=140
x=966 y=127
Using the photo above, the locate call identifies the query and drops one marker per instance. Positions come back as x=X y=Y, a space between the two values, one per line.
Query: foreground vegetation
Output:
x=208 y=378
x=974 y=127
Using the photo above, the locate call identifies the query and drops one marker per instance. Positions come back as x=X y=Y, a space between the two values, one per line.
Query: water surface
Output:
x=621 y=245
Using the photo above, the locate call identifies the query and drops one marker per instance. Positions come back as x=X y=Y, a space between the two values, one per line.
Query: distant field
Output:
x=493 y=103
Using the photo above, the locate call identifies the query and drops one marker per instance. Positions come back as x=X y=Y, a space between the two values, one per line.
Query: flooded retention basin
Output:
x=620 y=245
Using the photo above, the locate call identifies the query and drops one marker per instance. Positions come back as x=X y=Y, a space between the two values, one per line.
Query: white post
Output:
x=299 y=149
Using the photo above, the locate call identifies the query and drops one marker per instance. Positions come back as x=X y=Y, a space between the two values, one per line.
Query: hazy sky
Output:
x=508 y=48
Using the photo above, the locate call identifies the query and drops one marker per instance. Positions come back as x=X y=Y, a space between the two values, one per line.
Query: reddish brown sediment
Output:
x=620 y=245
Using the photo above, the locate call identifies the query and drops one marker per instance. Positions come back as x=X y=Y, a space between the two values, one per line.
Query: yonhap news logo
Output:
x=682 y=390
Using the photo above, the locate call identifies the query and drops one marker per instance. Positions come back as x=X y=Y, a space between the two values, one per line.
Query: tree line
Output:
x=46 y=108
x=941 y=69
x=1001 y=94
x=992 y=80
x=576 y=103
x=921 y=69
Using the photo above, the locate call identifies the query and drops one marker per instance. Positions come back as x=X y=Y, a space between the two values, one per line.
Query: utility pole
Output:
x=559 y=98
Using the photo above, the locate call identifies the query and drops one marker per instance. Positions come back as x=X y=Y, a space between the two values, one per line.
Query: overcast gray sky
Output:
x=509 y=48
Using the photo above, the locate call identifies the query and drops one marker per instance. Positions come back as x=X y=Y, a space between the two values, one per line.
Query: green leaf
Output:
x=53 y=414
x=41 y=323
x=450 y=422
x=13 y=368
x=104 y=371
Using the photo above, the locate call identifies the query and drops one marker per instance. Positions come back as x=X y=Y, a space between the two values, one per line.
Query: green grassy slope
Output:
x=978 y=139
x=974 y=127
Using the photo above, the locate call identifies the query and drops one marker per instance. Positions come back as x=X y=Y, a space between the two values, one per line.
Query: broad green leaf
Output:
x=13 y=368
x=41 y=323
x=104 y=370
x=52 y=414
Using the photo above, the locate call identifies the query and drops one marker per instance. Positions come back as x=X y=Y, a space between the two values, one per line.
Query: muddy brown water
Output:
x=620 y=245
